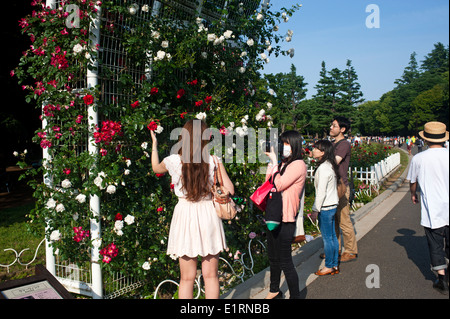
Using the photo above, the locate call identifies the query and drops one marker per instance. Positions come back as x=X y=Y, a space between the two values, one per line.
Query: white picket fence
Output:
x=373 y=175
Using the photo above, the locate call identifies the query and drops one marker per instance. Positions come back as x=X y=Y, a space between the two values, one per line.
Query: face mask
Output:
x=287 y=151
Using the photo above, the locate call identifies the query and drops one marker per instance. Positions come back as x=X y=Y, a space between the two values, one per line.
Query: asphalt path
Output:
x=393 y=261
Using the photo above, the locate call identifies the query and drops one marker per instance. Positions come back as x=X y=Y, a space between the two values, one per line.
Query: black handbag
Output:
x=274 y=207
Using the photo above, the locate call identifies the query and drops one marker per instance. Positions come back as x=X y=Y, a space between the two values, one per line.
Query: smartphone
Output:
x=265 y=146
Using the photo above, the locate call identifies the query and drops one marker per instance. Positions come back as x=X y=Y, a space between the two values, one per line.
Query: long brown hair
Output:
x=195 y=160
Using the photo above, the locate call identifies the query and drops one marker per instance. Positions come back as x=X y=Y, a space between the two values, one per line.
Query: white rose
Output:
x=15 y=153
x=269 y=105
x=98 y=182
x=51 y=203
x=128 y=162
x=144 y=145
x=126 y=172
x=111 y=189
x=160 y=55
x=55 y=235
x=60 y=208
x=259 y=17
x=159 y=129
x=263 y=56
x=227 y=34
x=243 y=54
x=155 y=35
x=97 y=243
x=201 y=116
x=129 y=219
x=242 y=69
x=250 y=42
x=118 y=224
x=78 y=48
x=133 y=9
x=81 y=198
x=165 y=44
x=291 y=52
x=66 y=183
x=211 y=37
x=146 y=265
x=145 y=8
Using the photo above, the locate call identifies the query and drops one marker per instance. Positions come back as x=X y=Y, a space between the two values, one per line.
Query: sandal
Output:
x=331 y=271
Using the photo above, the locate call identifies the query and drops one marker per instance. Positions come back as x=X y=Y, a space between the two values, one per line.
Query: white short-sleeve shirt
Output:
x=430 y=170
x=173 y=164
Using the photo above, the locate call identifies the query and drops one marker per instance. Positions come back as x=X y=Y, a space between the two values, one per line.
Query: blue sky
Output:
x=334 y=31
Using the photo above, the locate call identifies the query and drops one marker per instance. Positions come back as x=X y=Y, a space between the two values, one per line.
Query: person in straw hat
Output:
x=430 y=171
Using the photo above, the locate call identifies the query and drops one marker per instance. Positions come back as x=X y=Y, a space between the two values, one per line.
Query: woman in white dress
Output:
x=195 y=229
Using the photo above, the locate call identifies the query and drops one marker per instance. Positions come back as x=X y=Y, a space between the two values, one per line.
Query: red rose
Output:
x=199 y=103
x=152 y=126
x=159 y=209
x=183 y=114
x=118 y=216
x=135 y=104
x=153 y=91
x=88 y=99
x=208 y=99
x=180 y=93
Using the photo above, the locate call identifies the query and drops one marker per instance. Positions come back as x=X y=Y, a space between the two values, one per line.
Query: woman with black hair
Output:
x=326 y=177
x=290 y=181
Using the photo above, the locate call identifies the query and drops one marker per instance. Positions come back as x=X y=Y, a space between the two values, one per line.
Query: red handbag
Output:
x=259 y=197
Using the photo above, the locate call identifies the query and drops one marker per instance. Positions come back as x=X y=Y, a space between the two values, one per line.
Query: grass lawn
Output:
x=14 y=234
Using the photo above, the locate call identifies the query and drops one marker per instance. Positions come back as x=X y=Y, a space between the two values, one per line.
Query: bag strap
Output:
x=219 y=174
x=272 y=179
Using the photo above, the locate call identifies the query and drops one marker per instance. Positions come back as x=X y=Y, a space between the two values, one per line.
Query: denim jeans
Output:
x=330 y=242
x=279 y=243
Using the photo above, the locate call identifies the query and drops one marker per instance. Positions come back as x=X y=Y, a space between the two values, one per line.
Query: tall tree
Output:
x=324 y=93
x=351 y=89
x=436 y=60
x=290 y=90
x=339 y=90
x=411 y=72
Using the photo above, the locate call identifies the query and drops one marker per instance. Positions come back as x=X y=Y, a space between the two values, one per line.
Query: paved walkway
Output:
x=393 y=260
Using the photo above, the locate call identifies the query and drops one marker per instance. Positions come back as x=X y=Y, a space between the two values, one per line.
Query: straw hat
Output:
x=434 y=132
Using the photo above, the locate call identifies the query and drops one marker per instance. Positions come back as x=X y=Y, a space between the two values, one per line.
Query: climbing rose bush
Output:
x=188 y=68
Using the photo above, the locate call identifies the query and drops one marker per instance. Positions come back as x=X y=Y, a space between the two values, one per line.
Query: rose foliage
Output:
x=166 y=69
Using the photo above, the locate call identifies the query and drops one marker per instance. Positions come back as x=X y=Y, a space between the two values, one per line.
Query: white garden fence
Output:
x=373 y=175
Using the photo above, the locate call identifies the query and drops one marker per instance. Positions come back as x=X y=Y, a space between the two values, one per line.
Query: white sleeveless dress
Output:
x=195 y=229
